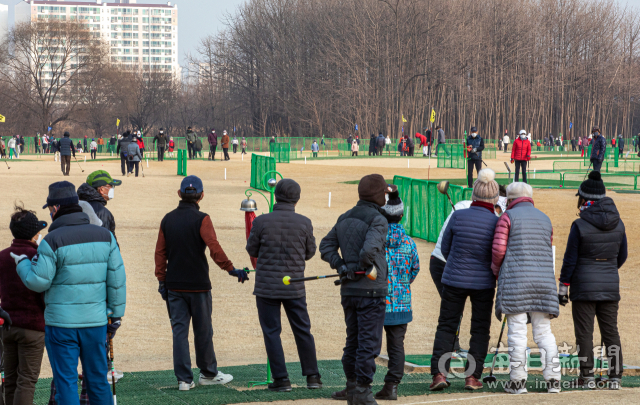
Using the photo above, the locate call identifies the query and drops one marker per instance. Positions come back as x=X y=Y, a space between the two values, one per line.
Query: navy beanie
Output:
x=61 y=193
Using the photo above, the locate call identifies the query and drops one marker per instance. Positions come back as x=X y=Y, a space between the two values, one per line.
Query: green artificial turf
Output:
x=160 y=387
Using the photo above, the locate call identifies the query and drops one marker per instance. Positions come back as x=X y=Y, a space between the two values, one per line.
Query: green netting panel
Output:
x=489 y=152
x=622 y=167
x=569 y=165
x=404 y=189
x=571 y=179
x=451 y=156
x=280 y=151
x=344 y=149
x=260 y=165
x=420 y=208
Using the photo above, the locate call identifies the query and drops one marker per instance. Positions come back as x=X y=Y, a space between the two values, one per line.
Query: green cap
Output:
x=101 y=178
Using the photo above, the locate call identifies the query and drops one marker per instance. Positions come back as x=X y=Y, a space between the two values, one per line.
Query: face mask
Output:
x=473 y=134
x=523 y=137
x=111 y=193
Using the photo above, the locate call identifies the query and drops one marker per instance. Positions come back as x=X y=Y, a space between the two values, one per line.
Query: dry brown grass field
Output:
x=144 y=341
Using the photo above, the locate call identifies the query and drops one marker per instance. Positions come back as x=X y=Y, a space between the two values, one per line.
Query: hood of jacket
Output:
x=603 y=214
x=90 y=194
x=395 y=235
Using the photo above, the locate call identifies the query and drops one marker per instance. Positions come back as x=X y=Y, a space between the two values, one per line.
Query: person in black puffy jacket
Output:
x=283 y=241
x=356 y=244
x=97 y=191
x=596 y=249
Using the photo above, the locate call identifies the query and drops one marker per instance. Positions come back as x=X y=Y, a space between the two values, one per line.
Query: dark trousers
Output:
x=235 y=148
x=596 y=164
x=37 y=149
x=364 y=317
x=271 y=324
x=244 y=150
x=620 y=152
x=185 y=307
x=226 y=153
x=395 y=350
x=315 y=154
x=132 y=165
x=506 y=145
x=22 y=356
x=436 y=268
x=451 y=309
x=470 y=165
x=93 y=153
x=212 y=152
x=192 y=150
x=607 y=313
x=411 y=149
x=160 y=153
x=354 y=153
x=65 y=164
x=521 y=164
x=123 y=163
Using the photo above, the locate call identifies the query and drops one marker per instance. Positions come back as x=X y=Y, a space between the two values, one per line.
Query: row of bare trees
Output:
x=314 y=67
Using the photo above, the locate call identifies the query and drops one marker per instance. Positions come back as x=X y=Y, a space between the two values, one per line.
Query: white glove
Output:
x=474 y=150
x=17 y=258
x=563 y=289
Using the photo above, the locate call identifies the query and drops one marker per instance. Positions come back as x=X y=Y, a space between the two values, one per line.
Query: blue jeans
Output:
x=64 y=347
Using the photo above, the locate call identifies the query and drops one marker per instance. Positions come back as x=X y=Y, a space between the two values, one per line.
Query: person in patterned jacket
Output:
x=404 y=265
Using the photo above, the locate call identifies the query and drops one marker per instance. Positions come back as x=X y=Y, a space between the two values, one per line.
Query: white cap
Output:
x=523 y=132
x=519 y=189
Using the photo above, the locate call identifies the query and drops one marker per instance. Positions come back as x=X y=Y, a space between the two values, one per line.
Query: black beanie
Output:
x=593 y=188
x=287 y=191
x=27 y=227
x=394 y=209
x=372 y=188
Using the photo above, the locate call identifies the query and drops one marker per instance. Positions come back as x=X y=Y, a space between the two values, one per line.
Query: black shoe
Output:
x=280 y=385
x=342 y=395
x=388 y=392
x=362 y=395
x=314 y=382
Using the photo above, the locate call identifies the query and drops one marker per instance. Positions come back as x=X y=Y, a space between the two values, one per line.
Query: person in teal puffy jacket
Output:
x=79 y=268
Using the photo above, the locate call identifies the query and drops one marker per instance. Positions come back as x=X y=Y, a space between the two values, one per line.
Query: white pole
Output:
x=329 y=198
x=147 y=163
x=305 y=160
x=225 y=173
x=85 y=158
x=534 y=173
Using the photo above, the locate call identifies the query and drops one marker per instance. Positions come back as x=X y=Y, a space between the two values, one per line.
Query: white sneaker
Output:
x=183 y=386
x=221 y=378
x=516 y=387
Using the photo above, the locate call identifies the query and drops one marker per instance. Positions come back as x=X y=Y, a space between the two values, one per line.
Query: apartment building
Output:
x=4 y=22
x=141 y=36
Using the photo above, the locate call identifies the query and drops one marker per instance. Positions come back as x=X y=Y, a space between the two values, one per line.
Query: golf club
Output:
x=113 y=370
x=443 y=187
x=587 y=173
x=169 y=312
x=78 y=164
x=491 y=377
x=602 y=350
x=508 y=168
x=5 y=161
x=371 y=275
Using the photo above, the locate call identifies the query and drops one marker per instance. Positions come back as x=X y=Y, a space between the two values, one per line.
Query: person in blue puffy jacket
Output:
x=79 y=268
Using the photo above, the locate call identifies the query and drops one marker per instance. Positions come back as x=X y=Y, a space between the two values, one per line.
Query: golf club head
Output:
x=443 y=186
x=489 y=379
x=286 y=280
x=372 y=274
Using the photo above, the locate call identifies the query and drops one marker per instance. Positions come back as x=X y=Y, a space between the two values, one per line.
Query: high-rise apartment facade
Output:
x=141 y=36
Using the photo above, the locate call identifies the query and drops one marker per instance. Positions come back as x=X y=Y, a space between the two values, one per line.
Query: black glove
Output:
x=347 y=273
x=563 y=294
x=242 y=275
x=6 y=318
x=163 y=290
x=112 y=328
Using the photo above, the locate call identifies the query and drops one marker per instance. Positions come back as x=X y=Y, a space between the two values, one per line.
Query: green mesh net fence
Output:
x=427 y=208
x=451 y=156
x=280 y=151
x=260 y=165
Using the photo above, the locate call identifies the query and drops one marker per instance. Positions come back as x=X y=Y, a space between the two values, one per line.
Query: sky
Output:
x=199 y=18
x=196 y=18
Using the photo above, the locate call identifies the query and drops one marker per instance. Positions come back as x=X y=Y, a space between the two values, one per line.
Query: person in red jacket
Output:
x=521 y=154
x=423 y=143
x=23 y=335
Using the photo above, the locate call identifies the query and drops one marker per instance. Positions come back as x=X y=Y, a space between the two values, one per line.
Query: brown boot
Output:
x=472 y=383
x=439 y=382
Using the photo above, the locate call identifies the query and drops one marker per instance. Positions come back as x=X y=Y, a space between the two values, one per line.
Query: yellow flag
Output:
x=117 y=122
x=2 y=118
x=403 y=119
x=433 y=115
